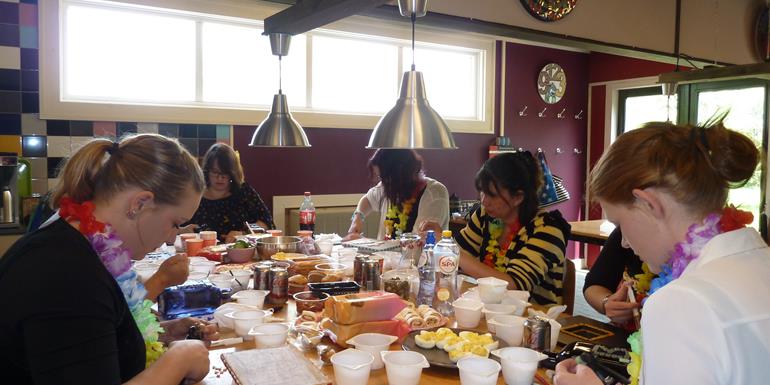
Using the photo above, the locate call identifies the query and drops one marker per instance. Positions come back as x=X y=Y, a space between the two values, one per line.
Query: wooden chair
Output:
x=568 y=296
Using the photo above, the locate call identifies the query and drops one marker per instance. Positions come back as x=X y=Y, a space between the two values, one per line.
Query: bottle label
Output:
x=443 y=294
x=447 y=264
x=306 y=217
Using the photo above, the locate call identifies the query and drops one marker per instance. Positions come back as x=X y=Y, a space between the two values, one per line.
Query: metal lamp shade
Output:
x=279 y=129
x=412 y=123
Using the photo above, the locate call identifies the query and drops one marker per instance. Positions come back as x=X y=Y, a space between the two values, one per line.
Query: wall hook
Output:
x=558 y=151
x=541 y=114
x=539 y=150
x=521 y=149
x=576 y=151
x=523 y=111
x=579 y=115
x=560 y=115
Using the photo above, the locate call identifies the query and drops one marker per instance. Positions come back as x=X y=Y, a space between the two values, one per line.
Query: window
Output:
x=210 y=63
x=637 y=106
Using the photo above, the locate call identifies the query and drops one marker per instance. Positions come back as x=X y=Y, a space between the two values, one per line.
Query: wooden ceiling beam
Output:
x=306 y=15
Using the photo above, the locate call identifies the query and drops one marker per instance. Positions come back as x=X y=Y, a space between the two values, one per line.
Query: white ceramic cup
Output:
x=467 y=312
x=373 y=343
x=494 y=309
x=352 y=367
x=491 y=289
x=478 y=371
x=404 y=367
x=145 y=270
x=269 y=335
x=509 y=328
x=244 y=320
x=251 y=297
x=519 y=364
x=203 y=266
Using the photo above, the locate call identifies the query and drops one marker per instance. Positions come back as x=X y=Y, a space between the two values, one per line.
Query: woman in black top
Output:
x=228 y=201
x=602 y=289
x=74 y=312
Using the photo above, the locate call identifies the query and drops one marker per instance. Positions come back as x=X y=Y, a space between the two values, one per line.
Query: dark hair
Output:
x=513 y=172
x=152 y=162
x=399 y=172
x=696 y=165
x=228 y=163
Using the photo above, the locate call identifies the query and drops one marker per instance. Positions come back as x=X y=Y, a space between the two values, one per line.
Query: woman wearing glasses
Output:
x=228 y=201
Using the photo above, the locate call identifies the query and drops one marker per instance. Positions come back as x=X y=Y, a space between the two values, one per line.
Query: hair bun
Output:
x=733 y=155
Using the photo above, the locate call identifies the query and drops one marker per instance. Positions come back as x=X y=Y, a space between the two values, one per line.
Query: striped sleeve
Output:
x=472 y=236
x=537 y=265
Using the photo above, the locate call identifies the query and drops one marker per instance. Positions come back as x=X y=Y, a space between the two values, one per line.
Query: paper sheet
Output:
x=268 y=367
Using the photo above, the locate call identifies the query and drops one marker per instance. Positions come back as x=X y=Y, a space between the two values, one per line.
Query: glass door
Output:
x=747 y=104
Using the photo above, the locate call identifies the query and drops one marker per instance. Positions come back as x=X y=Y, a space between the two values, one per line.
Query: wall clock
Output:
x=551 y=83
x=549 y=10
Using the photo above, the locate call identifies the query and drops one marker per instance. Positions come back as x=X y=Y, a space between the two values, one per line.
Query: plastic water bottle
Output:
x=427 y=271
x=446 y=255
x=307 y=213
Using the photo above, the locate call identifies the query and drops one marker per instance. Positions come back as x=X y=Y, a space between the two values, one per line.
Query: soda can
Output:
x=358 y=269
x=279 y=285
x=372 y=269
x=262 y=275
x=537 y=334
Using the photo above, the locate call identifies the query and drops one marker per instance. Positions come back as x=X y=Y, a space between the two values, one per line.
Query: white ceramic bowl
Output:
x=202 y=266
x=222 y=281
x=491 y=289
x=491 y=310
x=478 y=371
x=269 y=335
x=373 y=343
x=145 y=270
x=242 y=277
x=467 y=312
x=404 y=367
x=244 y=320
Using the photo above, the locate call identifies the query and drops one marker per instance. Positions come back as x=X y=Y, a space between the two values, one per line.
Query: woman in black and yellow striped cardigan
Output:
x=508 y=237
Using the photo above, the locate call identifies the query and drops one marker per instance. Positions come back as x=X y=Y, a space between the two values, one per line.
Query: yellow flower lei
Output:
x=397 y=217
x=493 y=247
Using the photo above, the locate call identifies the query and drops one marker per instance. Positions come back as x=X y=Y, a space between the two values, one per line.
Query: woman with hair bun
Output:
x=75 y=312
x=706 y=318
x=405 y=197
x=508 y=236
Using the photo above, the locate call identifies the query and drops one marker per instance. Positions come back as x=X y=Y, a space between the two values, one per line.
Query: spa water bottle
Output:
x=427 y=271
x=446 y=257
x=307 y=213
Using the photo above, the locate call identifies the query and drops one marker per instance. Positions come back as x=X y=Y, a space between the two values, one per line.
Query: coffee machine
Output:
x=9 y=204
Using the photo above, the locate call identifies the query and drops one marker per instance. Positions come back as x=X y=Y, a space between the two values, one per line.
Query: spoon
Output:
x=236 y=279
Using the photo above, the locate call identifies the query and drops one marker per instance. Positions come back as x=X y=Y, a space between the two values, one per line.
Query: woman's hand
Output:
x=568 y=372
x=355 y=230
x=430 y=224
x=193 y=355
x=230 y=237
x=187 y=229
x=174 y=270
x=618 y=308
x=176 y=330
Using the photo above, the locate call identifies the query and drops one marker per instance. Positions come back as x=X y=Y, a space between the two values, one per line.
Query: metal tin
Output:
x=358 y=269
x=262 y=275
x=537 y=334
x=372 y=269
x=279 y=285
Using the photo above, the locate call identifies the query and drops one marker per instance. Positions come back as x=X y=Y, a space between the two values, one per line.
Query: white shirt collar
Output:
x=727 y=244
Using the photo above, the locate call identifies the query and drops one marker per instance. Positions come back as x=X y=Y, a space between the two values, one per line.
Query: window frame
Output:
x=626 y=93
x=52 y=107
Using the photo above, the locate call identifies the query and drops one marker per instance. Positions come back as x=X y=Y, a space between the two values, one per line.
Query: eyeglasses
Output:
x=218 y=175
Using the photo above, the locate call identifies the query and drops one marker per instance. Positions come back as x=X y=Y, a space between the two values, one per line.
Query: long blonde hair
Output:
x=696 y=165
x=152 y=162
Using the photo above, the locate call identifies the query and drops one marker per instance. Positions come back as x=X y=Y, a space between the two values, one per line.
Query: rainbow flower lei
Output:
x=496 y=255
x=397 y=217
x=117 y=259
x=684 y=252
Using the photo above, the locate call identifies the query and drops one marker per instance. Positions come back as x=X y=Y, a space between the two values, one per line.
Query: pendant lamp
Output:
x=279 y=129
x=412 y=122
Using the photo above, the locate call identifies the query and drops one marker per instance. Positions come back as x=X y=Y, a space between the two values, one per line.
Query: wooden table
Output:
x=589 y=232
x=430 y=376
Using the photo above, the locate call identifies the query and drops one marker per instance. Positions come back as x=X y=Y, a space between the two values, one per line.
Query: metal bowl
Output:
x=268 y=246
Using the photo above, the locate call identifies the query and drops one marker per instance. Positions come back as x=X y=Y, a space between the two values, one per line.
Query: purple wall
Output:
x=336 y=164
x=523 y=63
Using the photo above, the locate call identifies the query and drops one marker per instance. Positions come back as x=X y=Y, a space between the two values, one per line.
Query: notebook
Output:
x=268 y=367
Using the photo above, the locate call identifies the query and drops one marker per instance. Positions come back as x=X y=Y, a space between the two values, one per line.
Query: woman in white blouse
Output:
x=405 y=198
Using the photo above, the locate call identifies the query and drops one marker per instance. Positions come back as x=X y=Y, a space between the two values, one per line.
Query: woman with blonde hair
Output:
x=706 y=318
x=76 y=312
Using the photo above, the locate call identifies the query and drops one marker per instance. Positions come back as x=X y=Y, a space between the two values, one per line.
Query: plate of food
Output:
x=422 y=317
x=444 y=347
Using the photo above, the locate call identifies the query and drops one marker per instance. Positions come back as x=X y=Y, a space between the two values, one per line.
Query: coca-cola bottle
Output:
x=307 y=213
